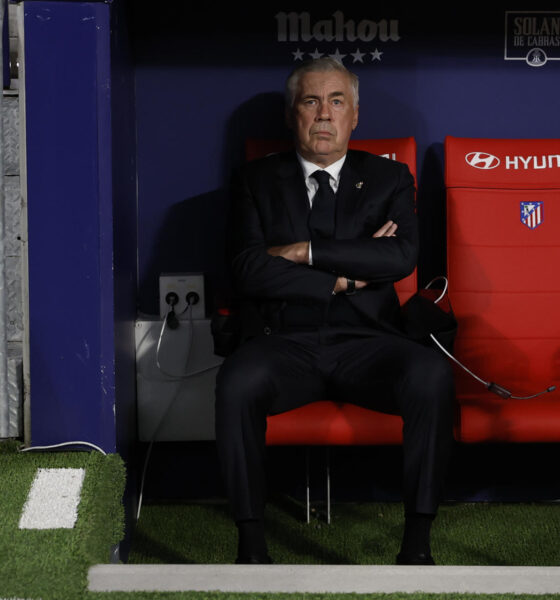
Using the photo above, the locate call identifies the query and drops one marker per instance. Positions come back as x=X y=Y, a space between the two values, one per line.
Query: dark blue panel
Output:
x=70 y=222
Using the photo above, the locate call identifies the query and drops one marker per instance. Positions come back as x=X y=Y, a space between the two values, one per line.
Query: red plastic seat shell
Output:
x=484 y=419
x=504 y=285
x=328 y=423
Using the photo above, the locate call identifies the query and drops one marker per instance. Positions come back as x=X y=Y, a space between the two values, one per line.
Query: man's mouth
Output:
x=322 y=132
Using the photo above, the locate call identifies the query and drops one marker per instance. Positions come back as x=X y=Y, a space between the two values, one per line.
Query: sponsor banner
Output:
x=351 y=41
x=496 y=163
x=532 y=36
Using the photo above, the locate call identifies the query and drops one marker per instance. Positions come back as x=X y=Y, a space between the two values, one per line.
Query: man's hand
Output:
x=387 y=230
x=341 y=284
x=298 y=252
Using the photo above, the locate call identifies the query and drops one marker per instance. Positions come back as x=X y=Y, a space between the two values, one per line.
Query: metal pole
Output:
x=4 y=403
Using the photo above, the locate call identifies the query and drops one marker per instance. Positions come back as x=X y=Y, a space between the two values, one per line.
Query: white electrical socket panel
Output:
x=182 y=284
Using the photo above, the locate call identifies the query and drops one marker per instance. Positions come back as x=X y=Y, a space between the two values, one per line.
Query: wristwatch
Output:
x=350 y=287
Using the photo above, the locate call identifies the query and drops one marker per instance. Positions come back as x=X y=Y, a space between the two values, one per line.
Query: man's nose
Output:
x=324 y=112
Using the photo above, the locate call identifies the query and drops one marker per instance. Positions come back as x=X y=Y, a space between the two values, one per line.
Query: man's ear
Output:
x=355 y=120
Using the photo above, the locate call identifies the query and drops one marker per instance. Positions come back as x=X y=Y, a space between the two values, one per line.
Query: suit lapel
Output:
x=294 y=196
x=349 y=197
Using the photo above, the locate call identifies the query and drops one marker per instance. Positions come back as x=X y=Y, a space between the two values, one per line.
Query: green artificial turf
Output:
x=52 y=564
x=463 y=534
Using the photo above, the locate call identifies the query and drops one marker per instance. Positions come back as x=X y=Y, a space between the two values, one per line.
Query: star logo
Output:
x=337 y=56
x=298 y=54
x=358 y=56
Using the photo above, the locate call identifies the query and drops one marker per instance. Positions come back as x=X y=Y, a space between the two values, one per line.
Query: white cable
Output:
x=62 y=444
x=486 y=383
x=491 y=386
x=163 y=327
x=171 y=378
x=179 y=378
x=448 y=354
x=549 y=389
x=427 y=287
x=144 y=469
x=161 y=336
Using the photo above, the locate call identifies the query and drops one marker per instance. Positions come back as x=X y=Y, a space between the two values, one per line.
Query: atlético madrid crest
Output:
x=532 y=214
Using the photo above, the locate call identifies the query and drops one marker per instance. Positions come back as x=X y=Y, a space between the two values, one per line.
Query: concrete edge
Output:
x=325 y=579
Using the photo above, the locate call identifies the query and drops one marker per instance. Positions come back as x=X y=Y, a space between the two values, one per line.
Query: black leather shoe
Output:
x=415 y=559
x=254 y=559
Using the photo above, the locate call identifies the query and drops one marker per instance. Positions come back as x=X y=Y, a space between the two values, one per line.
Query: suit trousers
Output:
x=388 y=373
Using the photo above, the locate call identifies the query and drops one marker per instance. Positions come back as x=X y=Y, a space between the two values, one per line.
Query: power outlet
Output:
x=182 y=284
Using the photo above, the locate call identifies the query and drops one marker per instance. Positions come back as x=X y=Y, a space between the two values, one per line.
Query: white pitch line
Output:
x=52 y=502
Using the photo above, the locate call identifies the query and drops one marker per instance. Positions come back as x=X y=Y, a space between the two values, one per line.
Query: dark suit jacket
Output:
x=270 y=207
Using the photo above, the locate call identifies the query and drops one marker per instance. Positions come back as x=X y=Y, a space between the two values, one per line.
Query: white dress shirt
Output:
x=312 y=184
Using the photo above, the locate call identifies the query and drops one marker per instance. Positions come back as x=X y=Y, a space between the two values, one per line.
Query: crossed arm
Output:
x=282 y=272
x=299 y=253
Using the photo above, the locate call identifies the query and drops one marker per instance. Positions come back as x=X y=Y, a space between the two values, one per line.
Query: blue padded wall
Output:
x=70 y=203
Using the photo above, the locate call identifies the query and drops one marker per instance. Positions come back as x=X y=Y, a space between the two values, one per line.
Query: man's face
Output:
x=323 y=116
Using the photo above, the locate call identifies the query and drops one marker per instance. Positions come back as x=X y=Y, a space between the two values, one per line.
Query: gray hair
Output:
x=319 y=65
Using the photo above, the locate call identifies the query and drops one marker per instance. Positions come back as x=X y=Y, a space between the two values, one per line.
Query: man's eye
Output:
x=336 y=101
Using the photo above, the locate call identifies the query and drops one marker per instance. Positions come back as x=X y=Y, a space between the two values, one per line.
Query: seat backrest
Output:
x=401 y=149
x=503 y=240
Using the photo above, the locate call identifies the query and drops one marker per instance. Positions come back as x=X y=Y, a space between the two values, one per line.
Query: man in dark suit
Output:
x=318 y=238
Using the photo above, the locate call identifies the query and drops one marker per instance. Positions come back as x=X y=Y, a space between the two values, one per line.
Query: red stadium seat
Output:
x=503 y=238
x=328 y=423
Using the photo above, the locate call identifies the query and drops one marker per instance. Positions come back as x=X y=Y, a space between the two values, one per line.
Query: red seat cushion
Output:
x=333 y=424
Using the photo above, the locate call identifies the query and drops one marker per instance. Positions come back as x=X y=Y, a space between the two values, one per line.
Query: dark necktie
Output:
x=321 y=219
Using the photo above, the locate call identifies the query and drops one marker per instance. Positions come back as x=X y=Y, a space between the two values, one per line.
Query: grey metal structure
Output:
x=11 y=256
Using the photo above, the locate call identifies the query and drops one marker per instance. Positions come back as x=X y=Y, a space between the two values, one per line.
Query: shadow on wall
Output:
x=193 y=235
x=191 y=239
x=261 y=117
x=432 y=260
